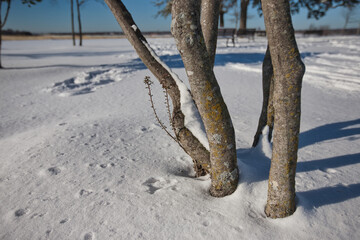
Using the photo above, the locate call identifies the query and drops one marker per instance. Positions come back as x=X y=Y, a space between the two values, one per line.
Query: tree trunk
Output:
x=221 y=18
x=0 y=38
x=288 y=72
x=79 y=21
x=2 y=24
x=167 y=79
x=72 y=21
x=186 y=29
x=267 y=111
x=209 y=24
x=243 y=14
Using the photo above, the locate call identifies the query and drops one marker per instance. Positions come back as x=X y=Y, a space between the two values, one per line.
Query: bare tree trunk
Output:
x=79 y=21
x=221 y=18
x=267 y=112
x=72 y=21
x=189 y=142
x=186 y=29
x=2 y=24
x=243 y=14
x=0 y=39
x=288 y=72
x=209 y=24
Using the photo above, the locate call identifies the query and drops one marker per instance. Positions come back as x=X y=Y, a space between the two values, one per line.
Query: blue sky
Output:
x=54 y=16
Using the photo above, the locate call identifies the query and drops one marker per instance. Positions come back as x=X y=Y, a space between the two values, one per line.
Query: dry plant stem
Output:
x=167 y=103
x=266 y=116
x=288 y=73
x=148 y=82
x=194 y=148
x=189 y=39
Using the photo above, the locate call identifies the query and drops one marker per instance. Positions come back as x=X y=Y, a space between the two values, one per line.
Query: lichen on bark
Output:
x=288 y=73
x=207 y=95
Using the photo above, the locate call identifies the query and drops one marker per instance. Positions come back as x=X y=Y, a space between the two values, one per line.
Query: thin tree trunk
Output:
x=288 y=72
x=79 y=21
x=189 y=142
x=209 y=25
x=72 y=21
x=221 y=18
x=267 y=112
x=0 y=39
x=186 y=29
x=2 y=24
x=243 y=14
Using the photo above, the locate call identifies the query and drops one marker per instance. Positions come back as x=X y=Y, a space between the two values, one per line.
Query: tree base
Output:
x=222 y=192
x=275 y=211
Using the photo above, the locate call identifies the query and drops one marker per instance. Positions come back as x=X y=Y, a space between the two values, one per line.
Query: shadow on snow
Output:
x=330 y=131
x=255 y=165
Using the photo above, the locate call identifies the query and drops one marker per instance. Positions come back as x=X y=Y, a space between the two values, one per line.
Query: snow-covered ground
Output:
x=82 y=156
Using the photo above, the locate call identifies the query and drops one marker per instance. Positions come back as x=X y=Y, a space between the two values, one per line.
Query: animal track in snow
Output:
x=156 y=184
x=20 y=212
x=85 y=193
x=87 y=82
x=89 y=236
x=64 y=220
x=54 y=170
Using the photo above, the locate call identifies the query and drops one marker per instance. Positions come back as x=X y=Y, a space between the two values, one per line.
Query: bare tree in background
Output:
x=78 y=5
x=243 y=14
x=350 y=16
x=72 y=21
x=3 y=22
x=188 y=32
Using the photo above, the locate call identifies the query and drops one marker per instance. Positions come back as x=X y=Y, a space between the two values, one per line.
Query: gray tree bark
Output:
x=209 y=25
x=186 y=29
x=72 y=21
x=189 y=142
x=288 y=74
x=267 y=111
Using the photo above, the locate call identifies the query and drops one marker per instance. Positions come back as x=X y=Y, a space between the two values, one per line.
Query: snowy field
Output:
x=82 y=156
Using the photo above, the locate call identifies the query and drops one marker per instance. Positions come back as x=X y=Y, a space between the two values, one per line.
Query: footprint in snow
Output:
x=156 y=184
x=64 y=221
x=54 y=170
x=89 y=236
x=85 y=193
x=87 y=82
x=20 y=212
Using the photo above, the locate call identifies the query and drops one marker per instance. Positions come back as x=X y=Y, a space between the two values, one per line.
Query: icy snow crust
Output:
x=82 y=156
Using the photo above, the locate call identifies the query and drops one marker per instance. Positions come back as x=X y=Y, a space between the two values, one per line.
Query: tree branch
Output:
x=194 y=148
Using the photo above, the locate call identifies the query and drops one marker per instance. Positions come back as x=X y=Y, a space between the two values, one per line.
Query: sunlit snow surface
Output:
x=82 y=156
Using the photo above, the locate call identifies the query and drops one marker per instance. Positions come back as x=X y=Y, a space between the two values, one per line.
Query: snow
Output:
x=192 y=119
x=134 y=27
x=82 y=156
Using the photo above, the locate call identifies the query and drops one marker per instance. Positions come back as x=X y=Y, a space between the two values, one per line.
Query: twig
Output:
x=148 y=83
x=167 y=102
